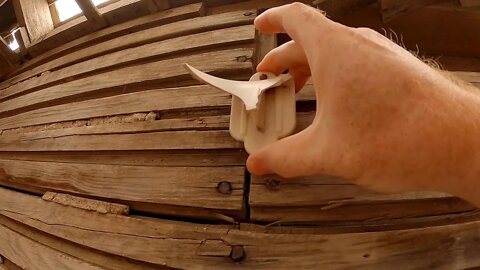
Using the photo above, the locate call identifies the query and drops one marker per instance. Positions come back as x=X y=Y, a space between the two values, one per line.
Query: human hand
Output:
x=385 y=120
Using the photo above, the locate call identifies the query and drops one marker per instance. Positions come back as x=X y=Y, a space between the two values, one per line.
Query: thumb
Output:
x=289 y=157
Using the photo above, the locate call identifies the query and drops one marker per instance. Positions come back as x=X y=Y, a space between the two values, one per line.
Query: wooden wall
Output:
x=113 y=157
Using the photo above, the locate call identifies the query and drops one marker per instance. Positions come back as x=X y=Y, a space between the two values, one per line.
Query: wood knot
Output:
x=263 y=76
x=238 y=254
x=272 y=183
x=224 y=187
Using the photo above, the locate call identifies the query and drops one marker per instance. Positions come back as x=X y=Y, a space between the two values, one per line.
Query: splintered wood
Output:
x=113 y=157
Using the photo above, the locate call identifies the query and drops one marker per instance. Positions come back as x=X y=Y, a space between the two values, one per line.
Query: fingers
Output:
x=299 y=21
x=287 y=56
x=288 y=157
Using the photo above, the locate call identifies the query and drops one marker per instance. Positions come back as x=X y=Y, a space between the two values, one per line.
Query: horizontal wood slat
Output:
x=181 y=186
x=216 y=62
x=164 y=17
x=212 y=39
x=107 y=261
x=190 y=97
x=158 y=33
x=167 y=158
x=170 y=140
x=186 y=245
x=29 y=254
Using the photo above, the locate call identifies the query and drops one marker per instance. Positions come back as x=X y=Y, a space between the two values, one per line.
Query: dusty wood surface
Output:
x=161 y=49
x=29 y=254
x=141 y=23
x=183 y=186
x=112 y=118
x=90 y=11
x=87 y=204
x=186 y=245
x=35 y=16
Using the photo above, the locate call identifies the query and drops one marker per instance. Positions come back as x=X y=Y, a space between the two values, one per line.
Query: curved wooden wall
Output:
x=113 y=157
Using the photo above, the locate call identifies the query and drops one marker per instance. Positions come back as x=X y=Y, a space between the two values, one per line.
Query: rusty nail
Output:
x=248 y=13
x=242 y=58
x=238 y=254
x=272 y=183
x=263 y=76
x=224 y=187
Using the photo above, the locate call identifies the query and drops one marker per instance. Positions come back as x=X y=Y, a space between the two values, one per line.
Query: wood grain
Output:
x=182 y=186
x=141 y=23
x=36 y=16
x=104 y=260
x=149 y=35
x=181 y=245
x=159 y=100
x=90 y=11
x=29 y=254
x=141 y=74
x=157 y=50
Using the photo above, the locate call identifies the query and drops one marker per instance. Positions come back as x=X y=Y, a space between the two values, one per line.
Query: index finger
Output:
x=297 y=20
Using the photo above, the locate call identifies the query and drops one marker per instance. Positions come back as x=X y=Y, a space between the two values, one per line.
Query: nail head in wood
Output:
x=263 y=77
x=272 y=183
x=248 y=13
x=238 y=254
x=224 y=187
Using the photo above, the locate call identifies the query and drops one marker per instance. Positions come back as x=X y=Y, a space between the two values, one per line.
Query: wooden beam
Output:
x=184 y=245
x=91 y=12
x=160 y=18
x=87 y=255
x=154 y=72
x=35 y=16
x=23 y=41
x=29 y=254
x=175 y=158
x=185 y=44
x=7 y=55
x=174 y=140
x=174 y=99
x=159 y=33
x=178 y=186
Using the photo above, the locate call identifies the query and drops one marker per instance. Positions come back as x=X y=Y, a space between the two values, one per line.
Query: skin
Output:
x=384 y=120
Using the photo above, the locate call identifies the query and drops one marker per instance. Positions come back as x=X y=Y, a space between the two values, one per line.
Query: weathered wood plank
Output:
x=219 y=61
x=174 y=46
x=36 y=17
x=92 y=256
x=154 y=34
x=174 y=140
x=320 y=199
x=182 y=186
x=87 y=204
x=160 y=18
x=29 y=254
x=175 y=99
x=182 y=245
x=117 y=12
x=90 y=11
x=174 y=158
